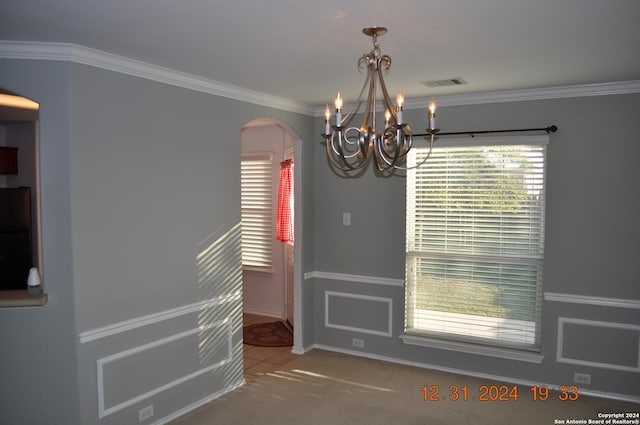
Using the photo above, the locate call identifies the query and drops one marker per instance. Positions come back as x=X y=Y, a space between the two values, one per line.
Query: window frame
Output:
x=492 y=346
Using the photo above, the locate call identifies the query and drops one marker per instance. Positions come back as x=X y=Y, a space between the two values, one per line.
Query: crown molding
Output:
x=602 y=89
x=99 y=59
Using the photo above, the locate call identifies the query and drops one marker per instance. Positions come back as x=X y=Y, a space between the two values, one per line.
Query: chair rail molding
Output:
x=591 y=300
x=354 y=278
x=149 y=319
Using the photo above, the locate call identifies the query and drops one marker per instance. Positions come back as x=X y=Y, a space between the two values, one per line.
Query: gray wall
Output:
x=141 y=213
x=38 y=355
x=591 y=245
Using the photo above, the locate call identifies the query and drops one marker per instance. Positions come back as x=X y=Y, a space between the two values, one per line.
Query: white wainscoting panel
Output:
x=387 y=306
x=112 y=377
x=609 y=345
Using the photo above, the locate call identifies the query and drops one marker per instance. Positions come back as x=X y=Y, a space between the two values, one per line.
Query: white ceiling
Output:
x=306 y=51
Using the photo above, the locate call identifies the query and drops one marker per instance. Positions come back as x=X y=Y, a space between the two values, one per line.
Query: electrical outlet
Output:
x=145 y=413
x=358 y=343
x=346 y=219
x=582 y=378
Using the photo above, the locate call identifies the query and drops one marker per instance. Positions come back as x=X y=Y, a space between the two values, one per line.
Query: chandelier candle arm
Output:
x=352 y=148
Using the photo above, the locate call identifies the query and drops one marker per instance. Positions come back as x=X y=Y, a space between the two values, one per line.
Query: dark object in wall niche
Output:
x=15 y=237
x=8 y=160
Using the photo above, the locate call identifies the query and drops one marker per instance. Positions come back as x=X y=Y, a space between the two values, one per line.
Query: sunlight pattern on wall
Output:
x=219 y=263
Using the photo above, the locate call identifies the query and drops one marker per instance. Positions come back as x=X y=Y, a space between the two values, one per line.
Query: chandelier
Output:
x=351 y=148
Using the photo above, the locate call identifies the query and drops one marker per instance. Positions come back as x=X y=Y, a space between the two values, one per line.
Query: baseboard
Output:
x=302 y=350
x=489 y=377
x=298 y=351
x=263 y=313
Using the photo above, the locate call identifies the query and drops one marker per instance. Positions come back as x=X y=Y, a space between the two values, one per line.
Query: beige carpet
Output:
x=323 y=388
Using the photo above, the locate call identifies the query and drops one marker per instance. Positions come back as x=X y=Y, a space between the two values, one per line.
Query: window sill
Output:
x=22 y=298
x=463 y=347
x=262 y=270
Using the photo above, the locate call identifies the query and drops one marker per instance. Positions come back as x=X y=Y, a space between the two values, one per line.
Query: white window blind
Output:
x=257 y=207
x=475 y=241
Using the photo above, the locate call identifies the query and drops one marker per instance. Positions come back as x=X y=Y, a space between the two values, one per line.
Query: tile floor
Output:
x=261 y=360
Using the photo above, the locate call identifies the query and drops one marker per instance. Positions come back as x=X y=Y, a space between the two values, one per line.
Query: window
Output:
x=257 y=223
x=475 y=241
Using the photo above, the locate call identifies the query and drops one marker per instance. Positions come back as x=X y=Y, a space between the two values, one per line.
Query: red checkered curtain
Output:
x=284 y=223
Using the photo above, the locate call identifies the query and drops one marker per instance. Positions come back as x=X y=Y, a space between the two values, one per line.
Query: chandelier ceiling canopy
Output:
x=387 y=143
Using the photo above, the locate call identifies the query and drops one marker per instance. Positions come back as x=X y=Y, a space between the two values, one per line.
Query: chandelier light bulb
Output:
x=400 y=99
x=339 y=102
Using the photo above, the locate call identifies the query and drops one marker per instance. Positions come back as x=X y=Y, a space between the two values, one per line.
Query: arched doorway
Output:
x=278 y=294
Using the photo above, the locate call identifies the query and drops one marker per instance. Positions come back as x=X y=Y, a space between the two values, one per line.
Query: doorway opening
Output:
x=274 y=293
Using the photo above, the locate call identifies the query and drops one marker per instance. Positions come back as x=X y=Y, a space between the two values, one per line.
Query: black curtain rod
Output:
x=550 y=129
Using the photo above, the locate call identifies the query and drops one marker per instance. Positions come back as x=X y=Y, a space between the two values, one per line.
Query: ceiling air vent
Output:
x=457 y=81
